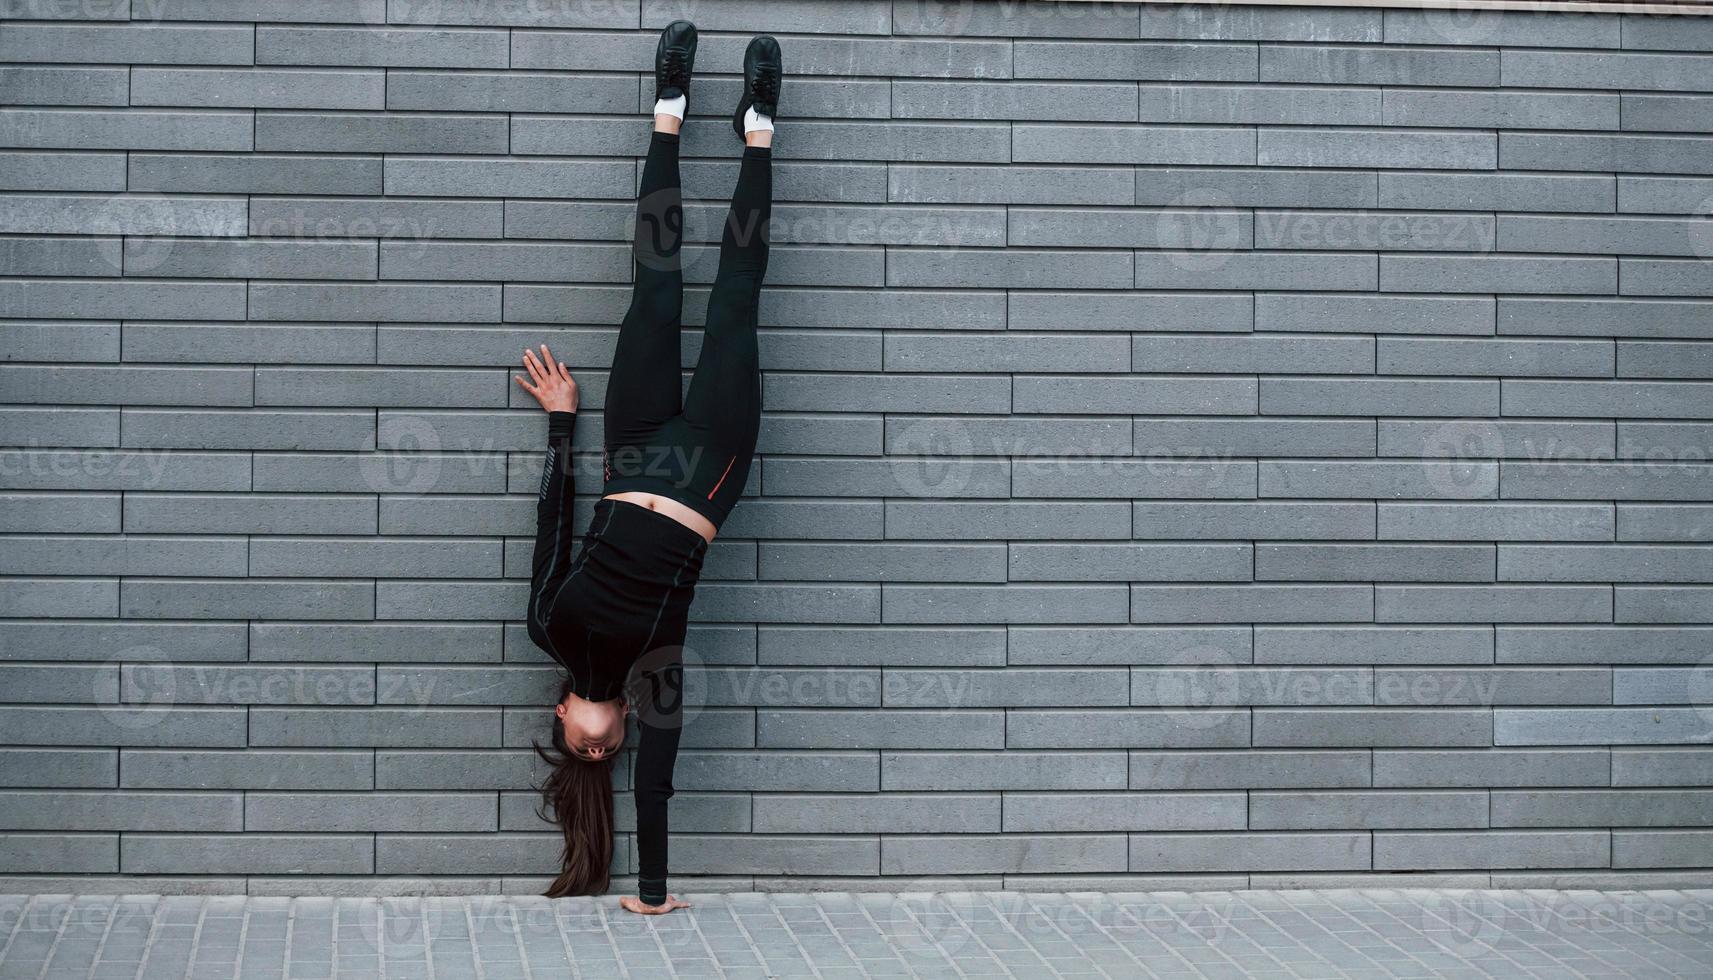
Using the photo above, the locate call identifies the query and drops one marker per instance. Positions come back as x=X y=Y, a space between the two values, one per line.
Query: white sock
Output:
x=756 y=122
x=672 y=107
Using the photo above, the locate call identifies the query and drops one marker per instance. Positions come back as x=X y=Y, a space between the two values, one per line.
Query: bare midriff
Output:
x=671 y=508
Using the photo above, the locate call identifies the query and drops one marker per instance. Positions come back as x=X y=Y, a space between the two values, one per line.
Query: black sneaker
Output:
x=674 y=59
x=762 y=72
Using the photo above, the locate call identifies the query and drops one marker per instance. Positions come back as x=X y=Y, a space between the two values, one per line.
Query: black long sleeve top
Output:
x=615 y=619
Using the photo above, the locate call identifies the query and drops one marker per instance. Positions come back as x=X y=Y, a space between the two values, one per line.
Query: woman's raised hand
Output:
x=550 y=382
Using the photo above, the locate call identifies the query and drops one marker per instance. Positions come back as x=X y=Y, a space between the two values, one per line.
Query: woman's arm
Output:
x=551 y=385
x=660 y=719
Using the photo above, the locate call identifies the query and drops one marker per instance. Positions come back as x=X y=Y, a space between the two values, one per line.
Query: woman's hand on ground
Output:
x=630 y=903
x=550 y=382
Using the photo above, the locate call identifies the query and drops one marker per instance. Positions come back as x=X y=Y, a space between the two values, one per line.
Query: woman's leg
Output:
x=723 y=408
x=642 y=390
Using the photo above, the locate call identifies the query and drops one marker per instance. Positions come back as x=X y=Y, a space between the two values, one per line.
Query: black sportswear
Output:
x=620 y=609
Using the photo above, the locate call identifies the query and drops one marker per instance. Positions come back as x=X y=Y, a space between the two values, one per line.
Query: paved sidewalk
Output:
x=1321 y=934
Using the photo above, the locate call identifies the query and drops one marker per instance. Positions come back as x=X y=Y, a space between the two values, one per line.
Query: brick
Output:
x=1255 y=270
x=919 y=604
x=121 y=810
x=60 y=853
x=1494 y=603
x=1214 y=682
x=248 y=854
x=1249 y=852
x=1247 y=769
x=1507 y=273
x=1063 y=853
x=1613 y=153
x=1491 y=686
x=883 y=562
x=1129 y=562
x=818 y=476
x=967 y=184
x=1663 y=360
x=880 y=647
x=140 y=43
x=1106 y=812
x=95 y=129
x=1016 y=20
x=387 y=302
x=383 y=727
x=1501 y=109
x=1362 y=396
x=137 y=641
x=1013 y=687
x=1261 y=23
x=1255 y=352
x=1603 y=317
x=893 y=813
x=383 y=812
x=1496 y=522
x=1510 y=358
x=50 y=513
x=1491 y=767
x=1661 y=767
x=1373 y=645
x=373 y=46
x=1390 y=727
x=1054 y=102
x=64 y=86
x=1614 y=563
x=1257 y=520
x=1612 y=644
x=1595 y=480
x=1597 y=726
x=60 y=598
x=1082 y=396
x=253 y=598
x=1254 y=603
x=1664 y=522
x=466 y=854
x=1659 y=848
x=1118 y=477
x=1367 y=810
x=1374 y=562
x=1011 y=770
x=1393 y=149
x=59 y=427
x=1332 y=313
x=62 y=171
x=1110 y=144
x=251 y=769
x=1357 y=479
x=1057 y=646
x=1523 y=68
x=1435 y=850
x=1498 y=191
x=898 y=729
x=1599 y=807
x=1117 y=728
x=1664 y=277
x=1128 y=61
x=1220 y=312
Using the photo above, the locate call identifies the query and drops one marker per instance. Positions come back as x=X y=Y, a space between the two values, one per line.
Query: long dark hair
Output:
x=578 y=796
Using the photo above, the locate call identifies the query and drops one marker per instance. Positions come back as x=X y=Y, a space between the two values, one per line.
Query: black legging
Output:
x=698 y=454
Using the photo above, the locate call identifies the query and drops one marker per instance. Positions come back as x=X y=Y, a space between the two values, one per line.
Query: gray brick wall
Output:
x=1206 y=445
